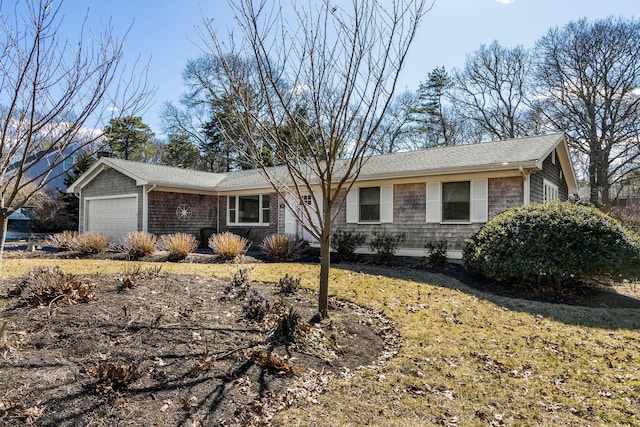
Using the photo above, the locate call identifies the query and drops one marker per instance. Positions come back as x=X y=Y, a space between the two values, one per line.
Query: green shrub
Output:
x=287 y=327
x=437 y=252
x=281 y=247
x=554 y=246
x=345 y=243
x=228 y=245
x=385 y=245
x=90 y=243
x=179 y=245
x=137 y=244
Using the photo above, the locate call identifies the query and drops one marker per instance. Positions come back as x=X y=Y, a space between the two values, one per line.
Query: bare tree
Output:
x=53 y=92
x=341 y=64
x=588 y=75
x=491 y=91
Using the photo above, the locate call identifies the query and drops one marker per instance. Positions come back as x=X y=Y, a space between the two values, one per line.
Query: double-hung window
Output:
x=457 y=201
x=252 y=209
x=370 y=205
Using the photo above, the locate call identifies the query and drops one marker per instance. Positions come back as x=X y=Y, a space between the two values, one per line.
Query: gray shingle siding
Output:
x=409 y=215
x=550 y=172
x=110 y=183
x=163 y=218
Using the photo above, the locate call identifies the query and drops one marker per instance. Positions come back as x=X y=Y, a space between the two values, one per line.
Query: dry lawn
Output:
x=466 y=358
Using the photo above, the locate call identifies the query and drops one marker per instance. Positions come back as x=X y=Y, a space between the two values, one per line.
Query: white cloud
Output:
x=506 y=1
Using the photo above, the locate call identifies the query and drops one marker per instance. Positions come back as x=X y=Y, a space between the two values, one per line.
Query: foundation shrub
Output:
x=345 y=242
x=179 y=245
x=228 y=245
x=90 y=243
x=437 y=252
x=63 y=241
x=384 y=245
x=281 y=247
x=138 y=244
x=554 y=247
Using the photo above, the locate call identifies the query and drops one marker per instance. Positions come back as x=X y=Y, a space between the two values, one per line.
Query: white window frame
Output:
x=478 y=202
x=386 y=205
x=261 y=209
x=550 y=191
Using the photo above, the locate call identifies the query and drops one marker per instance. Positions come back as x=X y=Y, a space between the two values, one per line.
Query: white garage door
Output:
x=113 y=217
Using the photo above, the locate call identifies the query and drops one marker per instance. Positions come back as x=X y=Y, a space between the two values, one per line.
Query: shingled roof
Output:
x=527 y=153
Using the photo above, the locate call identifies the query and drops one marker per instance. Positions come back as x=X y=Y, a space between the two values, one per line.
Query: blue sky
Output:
x=164 y=32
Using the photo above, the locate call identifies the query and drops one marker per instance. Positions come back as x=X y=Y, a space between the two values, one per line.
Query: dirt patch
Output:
x=173 y=350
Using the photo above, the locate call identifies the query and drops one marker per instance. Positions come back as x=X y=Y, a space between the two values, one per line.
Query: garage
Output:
x=112 y=216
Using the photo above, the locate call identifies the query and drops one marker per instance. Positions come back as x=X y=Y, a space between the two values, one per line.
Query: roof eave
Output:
x=498 y=167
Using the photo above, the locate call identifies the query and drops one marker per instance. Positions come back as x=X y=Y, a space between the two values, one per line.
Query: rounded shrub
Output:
x=553 y=245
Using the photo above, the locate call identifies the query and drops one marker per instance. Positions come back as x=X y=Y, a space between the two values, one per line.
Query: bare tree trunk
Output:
x=325 y=265
x=4 y=221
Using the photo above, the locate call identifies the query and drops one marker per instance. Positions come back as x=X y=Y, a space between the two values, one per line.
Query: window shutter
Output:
x=479 y=200
x=352 y=206
x=434 y=208
x=386 y=203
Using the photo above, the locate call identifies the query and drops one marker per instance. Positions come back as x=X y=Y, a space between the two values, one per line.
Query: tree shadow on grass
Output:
x=599 y=307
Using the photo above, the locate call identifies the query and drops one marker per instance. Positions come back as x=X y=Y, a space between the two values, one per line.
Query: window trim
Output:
x=478 y=202
x=546 y=184
x=261 y=209
x=386 y=205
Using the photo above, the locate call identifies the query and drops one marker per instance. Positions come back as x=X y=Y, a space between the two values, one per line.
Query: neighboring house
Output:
x=41 y=163
x=441 y=193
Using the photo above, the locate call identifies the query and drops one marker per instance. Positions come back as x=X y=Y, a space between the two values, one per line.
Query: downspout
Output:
x=218 y=217
x=526 y=186
x=145 y=208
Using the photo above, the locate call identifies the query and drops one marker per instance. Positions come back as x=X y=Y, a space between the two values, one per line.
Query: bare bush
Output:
x=45 y=285
x=179 y=245
x=63 y=241
x=288 y=284
x=255 y=306
x=228 y=245
x=629 y=217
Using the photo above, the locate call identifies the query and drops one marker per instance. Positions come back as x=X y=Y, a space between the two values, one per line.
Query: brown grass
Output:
x=281 y=247
x=137 y=244
x=179 y=245
x=228 y=245
x=467 y=358
x=64 y=241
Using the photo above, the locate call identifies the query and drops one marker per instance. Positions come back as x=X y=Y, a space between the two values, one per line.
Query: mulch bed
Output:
x=173 y=350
